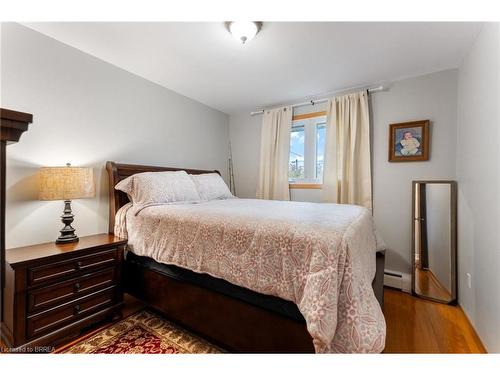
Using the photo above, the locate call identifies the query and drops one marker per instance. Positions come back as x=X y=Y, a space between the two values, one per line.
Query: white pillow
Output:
x=211 y=186
x=159 y=187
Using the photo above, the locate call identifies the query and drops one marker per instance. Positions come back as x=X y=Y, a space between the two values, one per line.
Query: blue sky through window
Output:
x=296 y=166
x=320 y=150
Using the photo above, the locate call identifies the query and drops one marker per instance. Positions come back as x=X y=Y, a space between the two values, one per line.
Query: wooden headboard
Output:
x=118 y=172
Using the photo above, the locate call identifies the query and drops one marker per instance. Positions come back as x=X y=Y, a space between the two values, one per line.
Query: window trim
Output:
x=309 y=115
x=304 y=185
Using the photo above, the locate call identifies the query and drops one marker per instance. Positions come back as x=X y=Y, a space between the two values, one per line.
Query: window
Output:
x=307 y=149
x=297 y=146
x=320 y=150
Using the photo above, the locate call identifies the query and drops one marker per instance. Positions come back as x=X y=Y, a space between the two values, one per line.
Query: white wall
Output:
x=86 y=112
x=430 y=97
x=244 y=133
x=478 y=175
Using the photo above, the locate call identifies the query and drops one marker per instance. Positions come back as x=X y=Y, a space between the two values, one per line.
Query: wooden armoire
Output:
x=13 y=125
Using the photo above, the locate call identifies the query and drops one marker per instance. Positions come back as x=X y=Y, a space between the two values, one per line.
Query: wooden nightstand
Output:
x=52 y=291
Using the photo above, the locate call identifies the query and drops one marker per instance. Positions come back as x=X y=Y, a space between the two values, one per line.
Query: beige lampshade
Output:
x=66 y=183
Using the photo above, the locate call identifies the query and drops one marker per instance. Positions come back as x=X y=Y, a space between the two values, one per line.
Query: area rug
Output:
x=143 y=333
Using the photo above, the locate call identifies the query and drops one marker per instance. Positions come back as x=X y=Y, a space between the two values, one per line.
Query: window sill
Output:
x=305 y=186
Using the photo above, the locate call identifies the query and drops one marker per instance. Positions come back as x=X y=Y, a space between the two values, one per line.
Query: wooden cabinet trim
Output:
x=45 y=297
x=71 y=267
x=70 y=311
x=51 y=252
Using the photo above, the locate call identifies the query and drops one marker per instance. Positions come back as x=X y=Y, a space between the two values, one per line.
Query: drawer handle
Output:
x=77 y=287
x=78 y=265
x=77 y=309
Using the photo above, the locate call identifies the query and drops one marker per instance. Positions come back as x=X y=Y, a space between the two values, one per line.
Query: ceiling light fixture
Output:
x=243 y=30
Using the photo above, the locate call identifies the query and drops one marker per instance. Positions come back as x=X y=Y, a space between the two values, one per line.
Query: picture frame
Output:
x=409 y=141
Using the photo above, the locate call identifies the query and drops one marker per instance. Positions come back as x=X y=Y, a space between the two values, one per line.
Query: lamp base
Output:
x=67 y=239
x=67 y=232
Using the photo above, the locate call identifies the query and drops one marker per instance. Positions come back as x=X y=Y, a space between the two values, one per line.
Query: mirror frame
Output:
x=453 y=238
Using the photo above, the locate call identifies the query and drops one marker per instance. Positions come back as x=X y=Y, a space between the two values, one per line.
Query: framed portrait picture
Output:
x=409 y=141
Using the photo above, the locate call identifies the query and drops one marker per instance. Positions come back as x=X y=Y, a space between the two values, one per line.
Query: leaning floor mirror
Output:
x=434 y=240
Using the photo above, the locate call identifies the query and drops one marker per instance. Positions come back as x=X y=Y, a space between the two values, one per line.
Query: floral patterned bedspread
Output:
x=320 y=256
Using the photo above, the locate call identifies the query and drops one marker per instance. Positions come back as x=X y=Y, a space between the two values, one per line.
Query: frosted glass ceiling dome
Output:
x=244 y=30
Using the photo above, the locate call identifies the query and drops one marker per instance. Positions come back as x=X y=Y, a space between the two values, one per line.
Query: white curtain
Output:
x=274 y=154
x=347 y=168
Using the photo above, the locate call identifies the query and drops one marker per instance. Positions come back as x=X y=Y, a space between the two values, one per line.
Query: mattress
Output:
x=320 y=257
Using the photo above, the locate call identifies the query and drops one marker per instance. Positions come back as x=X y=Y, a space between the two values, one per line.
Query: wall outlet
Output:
x=469 y=280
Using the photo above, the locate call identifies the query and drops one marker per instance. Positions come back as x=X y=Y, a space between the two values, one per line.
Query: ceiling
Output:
x=286 y=61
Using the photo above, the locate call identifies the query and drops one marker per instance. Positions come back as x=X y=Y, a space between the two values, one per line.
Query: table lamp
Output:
x=66 y=183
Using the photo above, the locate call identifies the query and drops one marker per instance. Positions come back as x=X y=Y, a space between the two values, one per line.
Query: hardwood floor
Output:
x=413 y=326
x=416 y=325
x=428 y=285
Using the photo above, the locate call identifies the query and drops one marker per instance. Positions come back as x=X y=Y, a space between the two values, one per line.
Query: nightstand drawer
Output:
x=52 y=319
x=45 y=297
x=53 y=271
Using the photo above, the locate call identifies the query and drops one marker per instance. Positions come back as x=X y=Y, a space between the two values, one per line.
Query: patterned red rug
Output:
x=143 y=333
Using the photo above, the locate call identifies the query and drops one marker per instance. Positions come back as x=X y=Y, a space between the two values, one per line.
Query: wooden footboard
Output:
x=228 y=322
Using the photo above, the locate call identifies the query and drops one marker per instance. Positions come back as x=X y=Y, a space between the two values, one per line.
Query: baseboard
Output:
x=397 y=280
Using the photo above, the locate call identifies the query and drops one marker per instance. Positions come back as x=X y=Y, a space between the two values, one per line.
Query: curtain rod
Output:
x=317 y=101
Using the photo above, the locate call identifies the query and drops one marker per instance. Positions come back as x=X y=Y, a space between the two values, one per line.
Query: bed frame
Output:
x=232 y=324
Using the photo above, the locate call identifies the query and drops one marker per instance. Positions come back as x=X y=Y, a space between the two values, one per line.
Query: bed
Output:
x=214 y=268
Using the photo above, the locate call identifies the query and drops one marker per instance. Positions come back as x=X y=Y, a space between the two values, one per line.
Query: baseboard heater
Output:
x=398 y=280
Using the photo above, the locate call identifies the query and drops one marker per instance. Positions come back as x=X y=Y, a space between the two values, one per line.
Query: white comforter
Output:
x=320 y=256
